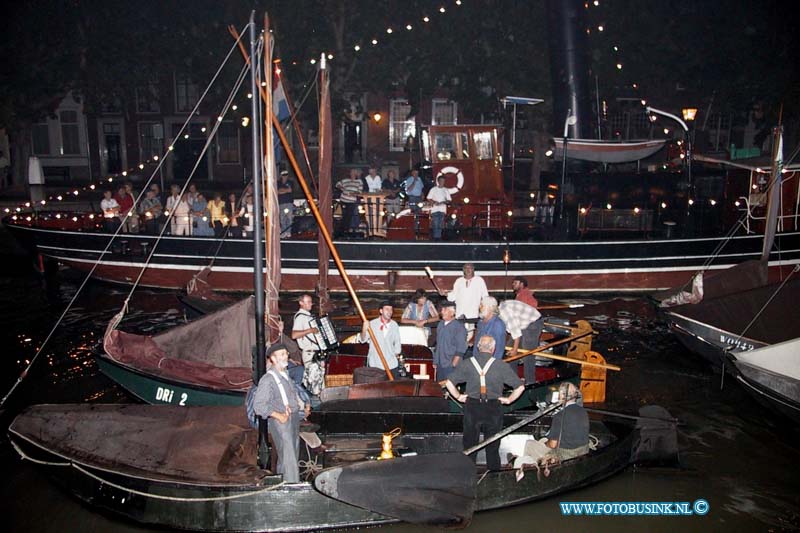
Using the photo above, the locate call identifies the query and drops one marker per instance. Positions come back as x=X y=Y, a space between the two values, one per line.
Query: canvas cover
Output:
x=214 y=351
x=708 y=285
x=778 y=322
x=198 y=445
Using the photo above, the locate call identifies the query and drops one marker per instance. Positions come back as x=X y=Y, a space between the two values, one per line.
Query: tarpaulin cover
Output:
x=202 y=445
x=779 y=321
x=715 y=284
x=214 y=351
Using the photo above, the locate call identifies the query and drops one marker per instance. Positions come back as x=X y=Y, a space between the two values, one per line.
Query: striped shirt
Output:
x=351 y=188
x=517 y=316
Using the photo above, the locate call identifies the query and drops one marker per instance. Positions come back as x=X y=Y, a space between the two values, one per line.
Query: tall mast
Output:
x=258 y=238
x=325 y=177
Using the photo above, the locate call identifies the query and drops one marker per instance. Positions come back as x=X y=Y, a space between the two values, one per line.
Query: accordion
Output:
x=326 y=338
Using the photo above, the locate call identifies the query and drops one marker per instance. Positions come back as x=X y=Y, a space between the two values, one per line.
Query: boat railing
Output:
x=786 y=222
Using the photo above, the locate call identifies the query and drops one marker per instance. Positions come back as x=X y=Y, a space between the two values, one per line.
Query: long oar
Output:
x=511 y=429
x=318 y=217
x=565 y=340
x=568 y=359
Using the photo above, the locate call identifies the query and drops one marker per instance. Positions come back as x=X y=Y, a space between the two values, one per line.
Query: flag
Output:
x=280 y=105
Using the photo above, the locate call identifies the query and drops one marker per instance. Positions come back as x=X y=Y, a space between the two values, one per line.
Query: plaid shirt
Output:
x=517 y=316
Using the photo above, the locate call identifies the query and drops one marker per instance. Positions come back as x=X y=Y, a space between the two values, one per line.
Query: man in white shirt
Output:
x=374 y=181
x=172 y=200
x=306 y=336
x=182 y=217
x=110 y=209
x=467 y=293
x=387 y=333
x=439 y=196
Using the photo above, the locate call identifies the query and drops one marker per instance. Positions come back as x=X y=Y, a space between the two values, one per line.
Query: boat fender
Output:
x=459 y=177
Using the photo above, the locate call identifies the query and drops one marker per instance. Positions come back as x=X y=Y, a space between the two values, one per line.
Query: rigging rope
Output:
x=763 y=307
x=133 y=208
x=202 y=154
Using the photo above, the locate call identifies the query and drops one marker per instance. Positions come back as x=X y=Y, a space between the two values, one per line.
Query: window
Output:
x=228 y=142
x=450 y=146
x=186 y=93
x=40 y=139
x=70 y=133
x=400 y=125
x=484 y=145
x=151 y=137
x=443 y=112
x=147 y=99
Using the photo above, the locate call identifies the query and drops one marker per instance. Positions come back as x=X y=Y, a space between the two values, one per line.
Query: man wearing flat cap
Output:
x=286 y=204
x=276 y=399
x=451 y=341
x=387 y=332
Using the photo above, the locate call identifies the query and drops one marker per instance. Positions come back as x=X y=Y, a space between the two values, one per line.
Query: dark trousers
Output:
x=151 y=226
x=219 y=229
x=530 y=341
x=486 y=416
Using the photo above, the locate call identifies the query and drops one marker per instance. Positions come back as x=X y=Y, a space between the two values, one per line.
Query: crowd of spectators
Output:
x=215 y=214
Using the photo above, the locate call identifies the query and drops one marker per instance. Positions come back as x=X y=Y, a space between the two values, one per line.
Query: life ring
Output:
x=459 y=177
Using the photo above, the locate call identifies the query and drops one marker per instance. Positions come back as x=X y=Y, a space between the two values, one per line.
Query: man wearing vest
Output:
x=485 y=377
x=276 y=399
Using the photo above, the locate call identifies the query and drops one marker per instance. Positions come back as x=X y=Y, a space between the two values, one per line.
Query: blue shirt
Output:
x=451 y=341
x=413 y=186
x=496 y=329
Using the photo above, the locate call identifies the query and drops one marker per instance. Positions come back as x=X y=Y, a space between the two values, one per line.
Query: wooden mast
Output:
x=270 y=217
x=318 y=217
x=325 y=182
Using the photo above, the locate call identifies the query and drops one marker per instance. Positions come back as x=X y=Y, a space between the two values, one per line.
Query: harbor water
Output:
x=735 y=454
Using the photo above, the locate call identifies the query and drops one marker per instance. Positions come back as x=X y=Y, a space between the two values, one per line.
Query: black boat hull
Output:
x=270 y=505
x=391 y=266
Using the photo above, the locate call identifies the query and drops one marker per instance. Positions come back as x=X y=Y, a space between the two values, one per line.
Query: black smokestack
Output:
x=569 y=70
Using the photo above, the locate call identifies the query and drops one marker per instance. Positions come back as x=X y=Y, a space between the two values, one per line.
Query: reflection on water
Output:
x=736 y=456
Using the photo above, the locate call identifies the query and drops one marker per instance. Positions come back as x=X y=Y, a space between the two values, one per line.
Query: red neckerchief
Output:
x=384 y=324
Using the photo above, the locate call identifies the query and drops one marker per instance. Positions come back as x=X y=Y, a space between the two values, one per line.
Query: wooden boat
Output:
x=209 y=362
x=607 y=151
x=772 y=374
x=714 y=326
x=747 y=313
x=194 y=468
x=619 y=264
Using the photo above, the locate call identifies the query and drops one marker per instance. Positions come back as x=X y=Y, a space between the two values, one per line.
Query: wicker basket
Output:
x=338 y=380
